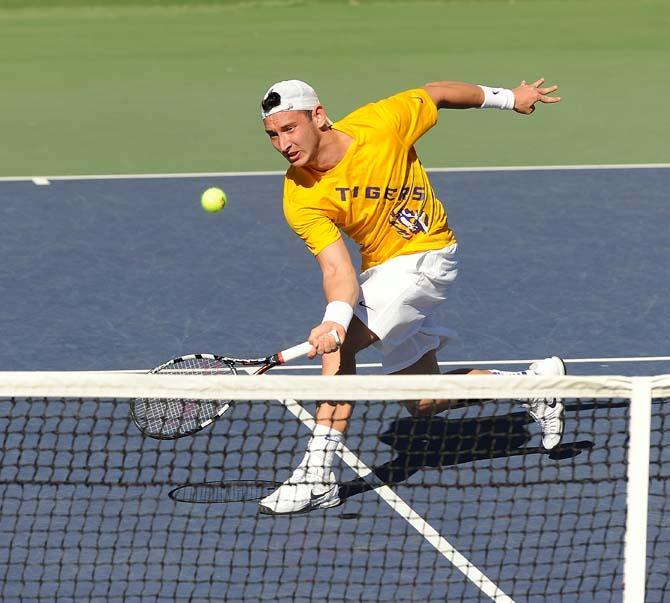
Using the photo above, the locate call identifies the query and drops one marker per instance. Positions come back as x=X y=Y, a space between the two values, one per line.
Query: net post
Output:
x=637 y=494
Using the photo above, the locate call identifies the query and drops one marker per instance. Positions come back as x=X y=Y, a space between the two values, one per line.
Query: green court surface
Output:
x=137 y=87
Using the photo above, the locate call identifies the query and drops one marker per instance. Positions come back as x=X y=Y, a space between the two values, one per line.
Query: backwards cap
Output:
x=291 y=95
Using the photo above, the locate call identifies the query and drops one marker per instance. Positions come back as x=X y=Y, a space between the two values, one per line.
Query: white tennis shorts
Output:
x=398 y=299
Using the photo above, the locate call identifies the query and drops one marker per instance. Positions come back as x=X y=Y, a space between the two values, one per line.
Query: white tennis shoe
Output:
x=304 y=491
x=548 y=412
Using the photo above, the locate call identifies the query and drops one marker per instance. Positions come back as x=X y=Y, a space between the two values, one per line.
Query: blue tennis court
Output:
x=118 y=274
x=124 y=273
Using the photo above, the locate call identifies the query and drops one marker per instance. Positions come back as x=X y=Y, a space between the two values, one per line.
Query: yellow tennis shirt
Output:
x=378 y=194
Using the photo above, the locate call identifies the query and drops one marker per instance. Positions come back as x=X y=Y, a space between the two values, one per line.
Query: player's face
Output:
x=295 y=135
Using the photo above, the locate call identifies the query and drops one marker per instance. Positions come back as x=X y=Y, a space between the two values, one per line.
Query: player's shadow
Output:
x=440 y=442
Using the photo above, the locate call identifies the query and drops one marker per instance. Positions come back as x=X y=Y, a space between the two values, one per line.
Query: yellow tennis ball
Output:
x=213 y=200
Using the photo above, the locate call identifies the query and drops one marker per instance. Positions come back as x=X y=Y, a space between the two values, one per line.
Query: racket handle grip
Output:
x=302 y=349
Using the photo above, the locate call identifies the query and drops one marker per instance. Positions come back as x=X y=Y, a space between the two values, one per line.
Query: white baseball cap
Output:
x=292 y=95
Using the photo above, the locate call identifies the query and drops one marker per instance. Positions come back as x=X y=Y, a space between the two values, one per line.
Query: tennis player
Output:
x=361 y=176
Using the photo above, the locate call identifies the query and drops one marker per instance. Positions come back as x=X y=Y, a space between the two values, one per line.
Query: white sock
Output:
x=497 y=372
x=321 y=449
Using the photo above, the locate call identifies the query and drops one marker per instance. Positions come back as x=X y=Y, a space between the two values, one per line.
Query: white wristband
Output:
x=497 y=98
x=339 y=312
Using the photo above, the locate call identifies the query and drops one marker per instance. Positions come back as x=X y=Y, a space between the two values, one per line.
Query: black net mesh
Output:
x=86 y=513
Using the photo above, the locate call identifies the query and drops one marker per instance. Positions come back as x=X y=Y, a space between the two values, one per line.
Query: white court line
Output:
x=432 y=536
x=497 y=362
x=155 y=176
x=523 y=168
x=533 y=168
x=467 y=363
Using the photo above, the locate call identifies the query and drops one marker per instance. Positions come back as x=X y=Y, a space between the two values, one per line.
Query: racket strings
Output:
x=170 y=417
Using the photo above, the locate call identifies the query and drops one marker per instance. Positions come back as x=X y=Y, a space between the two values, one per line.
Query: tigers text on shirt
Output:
x=378 y=194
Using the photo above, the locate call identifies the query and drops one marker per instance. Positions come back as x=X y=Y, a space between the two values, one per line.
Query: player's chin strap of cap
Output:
x=339 y=312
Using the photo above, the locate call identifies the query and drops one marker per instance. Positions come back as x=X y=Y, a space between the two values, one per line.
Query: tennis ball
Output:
x=213 y=200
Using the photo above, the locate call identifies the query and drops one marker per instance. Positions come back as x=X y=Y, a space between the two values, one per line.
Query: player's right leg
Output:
x=427 y=365
x=547 y=412
x=313 y=485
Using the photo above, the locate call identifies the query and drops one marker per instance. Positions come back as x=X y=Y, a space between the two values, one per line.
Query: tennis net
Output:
x=465 y=506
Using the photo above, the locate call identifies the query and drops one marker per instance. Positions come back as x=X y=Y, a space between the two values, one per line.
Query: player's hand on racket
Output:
x=526 y=95
x=326 y=338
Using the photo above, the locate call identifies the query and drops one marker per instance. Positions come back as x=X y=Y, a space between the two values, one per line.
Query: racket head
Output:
x=225 y=491
x=172 y=418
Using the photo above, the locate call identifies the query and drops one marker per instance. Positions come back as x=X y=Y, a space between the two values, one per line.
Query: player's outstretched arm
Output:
x=460 y=95
x=340 y=287
x=455 y=95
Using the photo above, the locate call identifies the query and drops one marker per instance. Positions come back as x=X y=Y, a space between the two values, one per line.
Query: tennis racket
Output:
x=169 y=419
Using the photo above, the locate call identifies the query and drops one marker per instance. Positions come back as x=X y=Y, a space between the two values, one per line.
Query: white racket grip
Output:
x=302 y=349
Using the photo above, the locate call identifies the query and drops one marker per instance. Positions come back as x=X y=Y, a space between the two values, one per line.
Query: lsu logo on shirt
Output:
x=409 y=222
